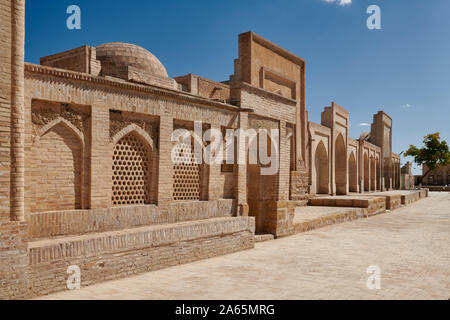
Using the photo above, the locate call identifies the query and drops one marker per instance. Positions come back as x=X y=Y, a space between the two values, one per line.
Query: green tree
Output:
x=434 y=153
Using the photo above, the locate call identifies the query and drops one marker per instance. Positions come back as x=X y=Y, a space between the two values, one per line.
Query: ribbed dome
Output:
x=124 y=54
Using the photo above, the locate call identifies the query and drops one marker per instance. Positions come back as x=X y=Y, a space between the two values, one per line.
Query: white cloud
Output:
x=364 y=124
x=406 y=106
x=341 y=2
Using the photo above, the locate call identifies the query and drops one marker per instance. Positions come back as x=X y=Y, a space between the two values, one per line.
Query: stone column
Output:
x=17 y=112
x=240 y=179
x=165 y=164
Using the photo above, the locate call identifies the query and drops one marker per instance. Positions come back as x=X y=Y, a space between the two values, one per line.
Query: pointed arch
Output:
x=57 y=170
x=49 y=126
x=352 y=173
x=138 y=130
x=190 y=171
x=322 y=169
x=132 y=167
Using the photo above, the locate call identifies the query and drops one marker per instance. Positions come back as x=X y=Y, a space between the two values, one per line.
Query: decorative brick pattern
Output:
x=131 y=174
x=186 y=174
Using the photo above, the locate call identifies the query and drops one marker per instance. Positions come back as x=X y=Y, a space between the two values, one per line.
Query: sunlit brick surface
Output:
x=130 y=172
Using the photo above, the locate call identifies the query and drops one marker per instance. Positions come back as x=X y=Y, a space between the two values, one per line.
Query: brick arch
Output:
x=132 y=161
x=138 y=130
x=352 y=173
x=43 y=130
x=322 y=169
x=190 y=180
x=56 y=168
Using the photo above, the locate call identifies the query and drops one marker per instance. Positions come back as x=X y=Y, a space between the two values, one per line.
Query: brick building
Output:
x=438 y=177
x=87 y=176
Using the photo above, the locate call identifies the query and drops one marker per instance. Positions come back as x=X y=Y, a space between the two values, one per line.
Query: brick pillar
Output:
x=17 y=112
x=284 y=169
x=370 y=173
x=240 y=178
x=279 y=213
x=165 y=164
x=101 y=157
x=214 y=175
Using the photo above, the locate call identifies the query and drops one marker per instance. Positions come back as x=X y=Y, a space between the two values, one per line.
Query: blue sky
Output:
x=403 y=69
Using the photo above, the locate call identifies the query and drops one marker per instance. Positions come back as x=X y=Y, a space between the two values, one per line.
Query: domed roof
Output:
x=124 y=54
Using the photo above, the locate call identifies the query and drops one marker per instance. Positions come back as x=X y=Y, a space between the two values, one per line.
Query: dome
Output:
x=120 y=55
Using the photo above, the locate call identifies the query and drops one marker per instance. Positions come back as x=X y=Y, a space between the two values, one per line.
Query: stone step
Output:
x=264 y=237
x=301 y=203
x=114 y=254
x=314 y=217
x=372 y=203
x=78 y=222
x=402 y=197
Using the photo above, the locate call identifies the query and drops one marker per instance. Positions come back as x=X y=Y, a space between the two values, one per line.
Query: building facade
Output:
x=88 y=176
x=438 y=177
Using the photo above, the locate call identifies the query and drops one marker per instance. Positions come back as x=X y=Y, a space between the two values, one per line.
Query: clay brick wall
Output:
x=213 y=90
x=5 y=105
x=76 y=60
x=264 y=103
x=78 y=222
x=299 y=185
x=13 y=259
x=13 y=234
x=55 y=170
x=265 y=65
x=141 y=250
x=204 y=87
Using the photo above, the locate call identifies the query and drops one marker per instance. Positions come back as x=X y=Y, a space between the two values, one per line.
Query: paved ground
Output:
x=411 y=246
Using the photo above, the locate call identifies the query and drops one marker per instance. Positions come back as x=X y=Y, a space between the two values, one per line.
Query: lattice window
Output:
x=186 y=177
x=130 y=172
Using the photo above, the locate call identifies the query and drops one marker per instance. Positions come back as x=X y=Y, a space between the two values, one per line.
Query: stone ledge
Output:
x=316 y=220
x=77 y=222
x=264 y=237
x=49 y=250
x=374 y=204
x=118 y=254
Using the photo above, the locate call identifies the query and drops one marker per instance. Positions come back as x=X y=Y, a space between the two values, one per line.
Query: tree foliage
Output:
x=435 y=152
